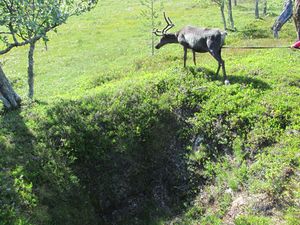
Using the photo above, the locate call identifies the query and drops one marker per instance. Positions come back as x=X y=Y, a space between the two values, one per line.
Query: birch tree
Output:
x=230 y=15
x=25 y=22
x=221 y=4
x=256 y=9
x=150 y=12
x=265 y=5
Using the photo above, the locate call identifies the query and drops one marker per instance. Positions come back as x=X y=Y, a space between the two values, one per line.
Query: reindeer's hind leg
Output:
x=217 y=56
x=223 y=65
x=219 y=66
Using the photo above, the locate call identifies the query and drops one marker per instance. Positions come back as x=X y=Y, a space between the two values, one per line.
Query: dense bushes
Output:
x=142 y=149
x=124 y=151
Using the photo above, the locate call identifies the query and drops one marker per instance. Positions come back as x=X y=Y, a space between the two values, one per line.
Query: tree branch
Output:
x=30 y=40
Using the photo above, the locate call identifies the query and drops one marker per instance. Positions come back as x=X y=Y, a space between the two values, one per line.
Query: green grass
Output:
x=110 y=136
x=111 y=40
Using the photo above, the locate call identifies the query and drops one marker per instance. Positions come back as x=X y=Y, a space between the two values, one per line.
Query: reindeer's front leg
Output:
x=194 y=57
x=184 y=56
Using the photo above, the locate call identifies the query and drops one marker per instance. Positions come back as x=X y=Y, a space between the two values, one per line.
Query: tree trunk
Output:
x=256 y=10
x=296 y=17
x=152 y=24
x=235 y=2
x=10 y=99
x=30 y=70
x=231 y=22
x=265 y=7
x=223 y=14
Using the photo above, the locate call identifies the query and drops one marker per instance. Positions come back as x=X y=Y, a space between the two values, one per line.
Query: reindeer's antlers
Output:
x=167 y=27
x=169 y=24
x=157 y=32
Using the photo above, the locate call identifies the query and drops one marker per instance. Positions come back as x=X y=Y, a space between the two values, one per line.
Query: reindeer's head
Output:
x=165 y=38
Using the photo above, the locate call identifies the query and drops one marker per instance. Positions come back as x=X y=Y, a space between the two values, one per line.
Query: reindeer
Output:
x=197 y=39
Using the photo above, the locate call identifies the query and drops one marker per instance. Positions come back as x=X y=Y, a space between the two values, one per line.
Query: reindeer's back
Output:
x=197 y=38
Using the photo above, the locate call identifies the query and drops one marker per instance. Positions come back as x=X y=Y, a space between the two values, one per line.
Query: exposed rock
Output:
x=259 y=203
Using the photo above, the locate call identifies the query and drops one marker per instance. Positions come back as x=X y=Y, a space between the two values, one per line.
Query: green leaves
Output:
x=24 y=21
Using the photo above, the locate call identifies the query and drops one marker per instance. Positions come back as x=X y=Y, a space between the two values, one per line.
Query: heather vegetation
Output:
x=115 y=135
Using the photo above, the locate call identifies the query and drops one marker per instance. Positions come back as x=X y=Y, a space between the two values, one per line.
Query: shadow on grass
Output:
x=16 y=157
x=18 y=149
x=254 y=82
x=234 y=79
x=19 y=136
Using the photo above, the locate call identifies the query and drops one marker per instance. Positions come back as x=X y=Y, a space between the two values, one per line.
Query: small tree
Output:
x=221 y=4
x=25 y=22
x=150 y=13
x=230 y=16
x=256 y=9
x=265 y=7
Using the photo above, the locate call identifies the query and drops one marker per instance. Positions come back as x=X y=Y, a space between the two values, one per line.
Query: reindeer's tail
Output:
x=223 y=35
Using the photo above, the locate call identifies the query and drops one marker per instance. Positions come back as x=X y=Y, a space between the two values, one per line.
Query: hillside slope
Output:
x=116 y=136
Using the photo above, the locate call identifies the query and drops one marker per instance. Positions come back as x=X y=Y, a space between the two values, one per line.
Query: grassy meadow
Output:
x=117 y=136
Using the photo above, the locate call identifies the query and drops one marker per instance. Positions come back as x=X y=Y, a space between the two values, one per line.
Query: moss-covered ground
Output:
x=117 y=136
